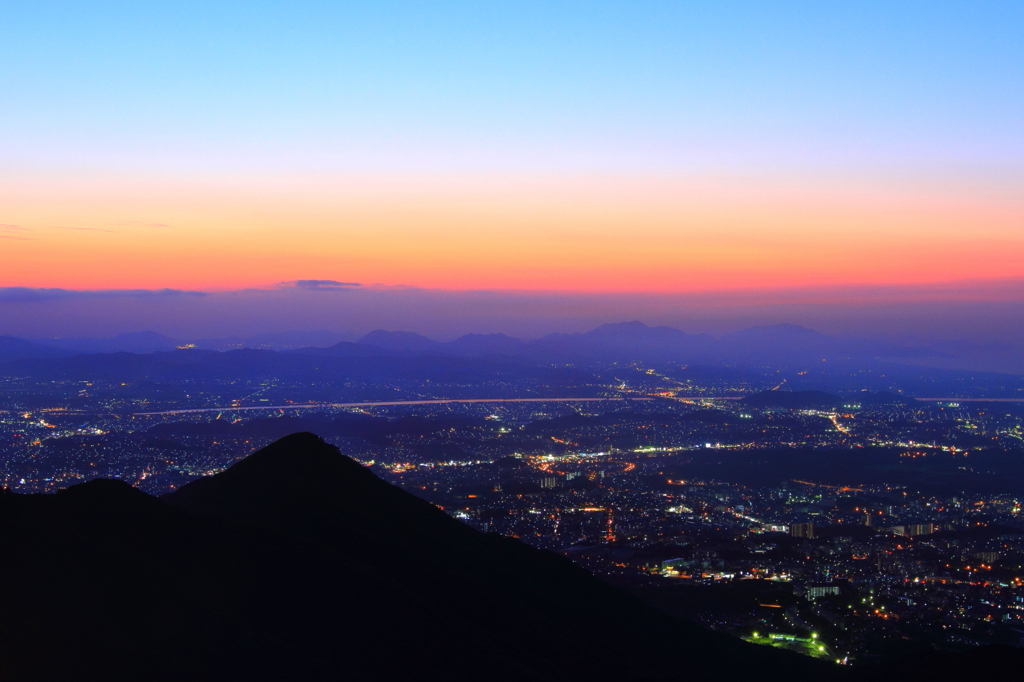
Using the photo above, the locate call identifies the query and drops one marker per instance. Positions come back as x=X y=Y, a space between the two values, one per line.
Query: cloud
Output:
x=20 y=239
x=322 y=284
x=139 y=223
x=86 y=229
x=6 y=226
x=16 y=294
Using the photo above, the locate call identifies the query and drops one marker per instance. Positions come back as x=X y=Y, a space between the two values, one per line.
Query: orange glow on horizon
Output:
x=597 y=234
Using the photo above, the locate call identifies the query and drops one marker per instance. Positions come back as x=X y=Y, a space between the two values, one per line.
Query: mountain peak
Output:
x=299 y=464
x=300 y=481
x=13 y=348
x=618 y=328
x=100 y=488
x=146 y=336
x=397 y=340
x=785 y=329
x=476 y=337
x=299 y=562
x=484 y=344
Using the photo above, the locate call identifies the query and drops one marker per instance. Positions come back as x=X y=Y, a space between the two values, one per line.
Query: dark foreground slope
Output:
x=298 y=563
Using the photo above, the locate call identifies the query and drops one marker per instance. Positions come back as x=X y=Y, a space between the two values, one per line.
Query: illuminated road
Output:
x=396 y=403
x=313 y=406
x=839 y=427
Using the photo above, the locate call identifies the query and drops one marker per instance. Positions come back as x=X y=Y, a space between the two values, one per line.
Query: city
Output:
x=853 y=529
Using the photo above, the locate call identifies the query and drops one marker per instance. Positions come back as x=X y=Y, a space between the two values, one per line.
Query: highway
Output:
x=390 y=403
x=398 y=403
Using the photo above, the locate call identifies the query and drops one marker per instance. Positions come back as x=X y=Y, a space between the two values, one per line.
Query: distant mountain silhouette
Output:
x=629 y=339
x=348 y=349
x=784 y=331
x=12 y=348
x=299 y=563
x=633 y=330
x=404 y=341
x=134 y=342
x=782 y=344
x=143 y=342
x=153 y=342
x=785 y=346
x=489 y=344
x=785 y=334
x=290 y=340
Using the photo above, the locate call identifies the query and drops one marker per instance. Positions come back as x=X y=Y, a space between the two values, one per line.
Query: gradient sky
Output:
x=661 y=147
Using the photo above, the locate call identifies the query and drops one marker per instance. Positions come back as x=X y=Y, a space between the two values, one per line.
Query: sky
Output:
x=589 y=149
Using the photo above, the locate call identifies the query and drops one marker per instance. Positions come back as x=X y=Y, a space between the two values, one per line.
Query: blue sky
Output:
x=440 y=86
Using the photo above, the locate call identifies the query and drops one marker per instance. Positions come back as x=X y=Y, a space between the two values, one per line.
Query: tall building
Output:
x=818 y=590
x=802 y=530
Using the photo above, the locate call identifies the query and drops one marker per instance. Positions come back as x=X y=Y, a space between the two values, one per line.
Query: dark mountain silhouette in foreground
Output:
x=299 y=563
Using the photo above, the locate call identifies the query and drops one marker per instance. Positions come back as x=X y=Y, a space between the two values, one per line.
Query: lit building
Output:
x=802 y=530
x=818 y=590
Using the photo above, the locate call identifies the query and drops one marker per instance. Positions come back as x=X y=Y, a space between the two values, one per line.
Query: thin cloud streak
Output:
x=29 y=294
x=84 y=229
x=321 y=284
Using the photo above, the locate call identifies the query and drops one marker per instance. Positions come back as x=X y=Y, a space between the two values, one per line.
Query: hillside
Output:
x=299 y=563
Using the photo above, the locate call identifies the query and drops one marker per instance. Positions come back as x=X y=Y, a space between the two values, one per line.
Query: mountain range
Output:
x=495 y=365
x=634 y=340
x=12 y=348
x=785 y=343
x=153 y=342
x=782 y=343
x=299 y=563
